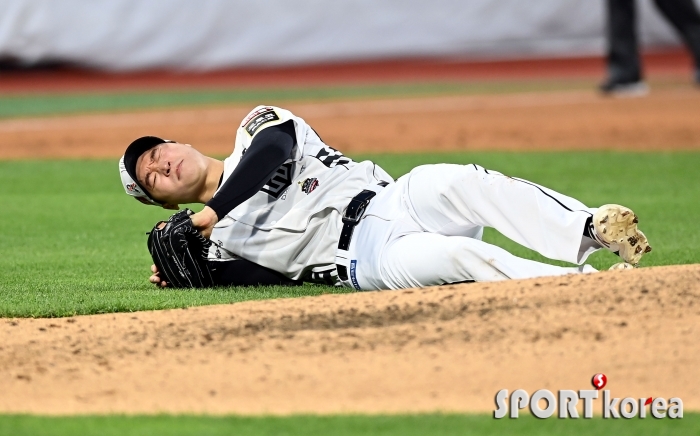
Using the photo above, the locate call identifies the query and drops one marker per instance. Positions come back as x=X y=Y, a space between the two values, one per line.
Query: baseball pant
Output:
x=426 y=230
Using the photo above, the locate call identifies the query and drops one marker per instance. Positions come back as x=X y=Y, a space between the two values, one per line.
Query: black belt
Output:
x=351 y=217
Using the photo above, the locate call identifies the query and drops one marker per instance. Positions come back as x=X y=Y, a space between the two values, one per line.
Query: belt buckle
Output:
x=354 y=220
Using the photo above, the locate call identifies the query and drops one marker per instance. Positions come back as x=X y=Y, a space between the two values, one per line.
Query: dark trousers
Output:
x=623 y=51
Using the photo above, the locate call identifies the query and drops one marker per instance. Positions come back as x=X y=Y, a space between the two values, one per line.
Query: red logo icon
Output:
x=599 y=381
x=648 y=401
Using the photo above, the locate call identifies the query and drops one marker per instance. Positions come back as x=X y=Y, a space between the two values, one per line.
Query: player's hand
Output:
x=205 y=221
x=155 y=278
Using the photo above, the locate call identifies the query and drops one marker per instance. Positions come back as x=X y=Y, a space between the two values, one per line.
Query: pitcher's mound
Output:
x=448 y=348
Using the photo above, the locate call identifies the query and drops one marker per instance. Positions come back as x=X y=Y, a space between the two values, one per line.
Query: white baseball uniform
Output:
x=424 y=229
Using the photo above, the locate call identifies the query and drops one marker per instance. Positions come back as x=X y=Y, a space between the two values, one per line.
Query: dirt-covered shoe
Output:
x=615 y=228
x=621 y=265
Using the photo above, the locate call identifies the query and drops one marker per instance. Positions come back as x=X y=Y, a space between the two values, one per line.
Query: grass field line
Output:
x=117 y=120
x=322 y=110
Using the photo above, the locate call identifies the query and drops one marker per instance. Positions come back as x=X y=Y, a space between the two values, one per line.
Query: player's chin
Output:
x=174 y=195
x=180 y=193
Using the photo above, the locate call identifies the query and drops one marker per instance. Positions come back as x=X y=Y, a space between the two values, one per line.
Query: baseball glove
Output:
x=179 y=252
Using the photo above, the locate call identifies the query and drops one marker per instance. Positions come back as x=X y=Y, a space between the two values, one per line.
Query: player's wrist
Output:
x=206 y=218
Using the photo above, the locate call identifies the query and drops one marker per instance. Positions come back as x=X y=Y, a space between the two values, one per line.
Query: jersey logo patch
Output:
x=265 y=116
x=309 y=185
x=280 y=181
x=331 y=157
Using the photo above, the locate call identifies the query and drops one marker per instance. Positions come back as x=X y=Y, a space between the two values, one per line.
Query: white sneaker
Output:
x=615 y=228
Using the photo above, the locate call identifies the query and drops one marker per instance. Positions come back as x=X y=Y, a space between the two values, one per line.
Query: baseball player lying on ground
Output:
x=286 y=208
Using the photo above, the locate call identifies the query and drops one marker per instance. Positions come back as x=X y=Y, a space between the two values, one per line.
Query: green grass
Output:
x=49 y=104
x=72 y=243
x=398 y=425
x=56 y=104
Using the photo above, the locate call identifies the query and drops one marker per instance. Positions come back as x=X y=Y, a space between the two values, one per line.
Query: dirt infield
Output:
x=447 y=348
x=565 y=120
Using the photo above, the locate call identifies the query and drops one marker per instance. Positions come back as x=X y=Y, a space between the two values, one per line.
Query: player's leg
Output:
x=426 y=259
x=445 y=197
x=684 y=16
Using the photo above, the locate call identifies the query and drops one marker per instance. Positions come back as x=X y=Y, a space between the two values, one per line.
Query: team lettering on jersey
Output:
x=280 y=181
x=331 y=157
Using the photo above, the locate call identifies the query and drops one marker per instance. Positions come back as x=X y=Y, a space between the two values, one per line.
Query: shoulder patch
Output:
x=264 y=115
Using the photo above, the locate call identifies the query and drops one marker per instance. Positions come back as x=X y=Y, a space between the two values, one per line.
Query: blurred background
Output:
x=181 y=36
x=127 y=35
x=218 y=58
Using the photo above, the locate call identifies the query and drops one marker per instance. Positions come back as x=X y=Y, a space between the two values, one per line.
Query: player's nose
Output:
x=163 y=167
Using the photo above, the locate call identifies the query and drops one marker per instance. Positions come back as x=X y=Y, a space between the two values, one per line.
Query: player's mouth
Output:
x=177 y=169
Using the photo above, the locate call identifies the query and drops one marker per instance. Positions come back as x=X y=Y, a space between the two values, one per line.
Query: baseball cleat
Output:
x=615 y=228
x=621 y=265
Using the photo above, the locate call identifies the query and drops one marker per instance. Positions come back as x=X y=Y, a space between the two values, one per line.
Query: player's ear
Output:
x=171 y=206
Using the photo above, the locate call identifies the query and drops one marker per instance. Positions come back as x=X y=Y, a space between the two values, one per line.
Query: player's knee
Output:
x=460 y=177
x=445 y=177
x=460 y=255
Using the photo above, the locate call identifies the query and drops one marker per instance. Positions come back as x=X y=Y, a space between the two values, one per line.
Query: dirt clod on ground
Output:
x=448 y=348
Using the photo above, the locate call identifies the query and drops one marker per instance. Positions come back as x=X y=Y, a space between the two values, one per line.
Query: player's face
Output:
x=172 y=173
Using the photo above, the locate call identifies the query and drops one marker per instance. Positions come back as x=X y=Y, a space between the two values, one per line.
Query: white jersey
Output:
x=293 y=223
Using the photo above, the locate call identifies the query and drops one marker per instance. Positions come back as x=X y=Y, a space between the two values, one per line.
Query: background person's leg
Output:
x=623 y=62
x=447 y=197
x=684 y=16
x=427 y=259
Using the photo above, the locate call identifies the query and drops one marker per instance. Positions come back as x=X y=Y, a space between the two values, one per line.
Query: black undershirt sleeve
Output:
x=267 y=152
x=241 y=272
